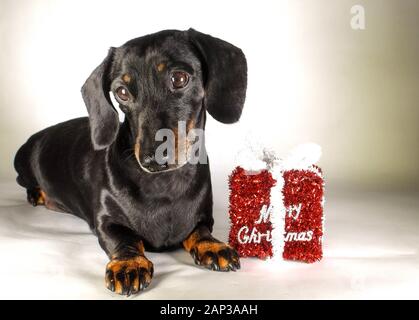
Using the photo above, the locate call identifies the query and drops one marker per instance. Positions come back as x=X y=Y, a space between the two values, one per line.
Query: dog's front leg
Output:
x=128 y=270
x=210 y=252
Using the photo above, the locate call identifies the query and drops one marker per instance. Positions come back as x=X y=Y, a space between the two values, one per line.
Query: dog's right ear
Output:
x=225 y=76
x=103 y=117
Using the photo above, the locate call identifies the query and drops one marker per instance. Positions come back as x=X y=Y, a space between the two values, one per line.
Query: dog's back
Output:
x=25 y=159
x=42 y=162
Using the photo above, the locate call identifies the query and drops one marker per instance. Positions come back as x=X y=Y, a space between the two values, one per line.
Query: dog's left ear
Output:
x=225 y=76
x=103 y=117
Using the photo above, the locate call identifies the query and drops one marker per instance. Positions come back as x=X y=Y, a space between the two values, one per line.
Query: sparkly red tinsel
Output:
x=248 y=194
x=305 y=187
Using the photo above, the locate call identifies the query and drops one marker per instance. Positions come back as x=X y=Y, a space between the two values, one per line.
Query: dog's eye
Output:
x=179 y=79
x=122 y=93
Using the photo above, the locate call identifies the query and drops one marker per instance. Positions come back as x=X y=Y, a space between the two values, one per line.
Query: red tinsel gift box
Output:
x=277 y=211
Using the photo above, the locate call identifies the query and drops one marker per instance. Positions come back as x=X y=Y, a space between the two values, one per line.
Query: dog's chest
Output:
x=165 y=224
x=164 y=209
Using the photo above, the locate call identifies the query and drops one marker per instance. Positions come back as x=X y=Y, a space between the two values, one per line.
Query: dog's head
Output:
x=160 y=81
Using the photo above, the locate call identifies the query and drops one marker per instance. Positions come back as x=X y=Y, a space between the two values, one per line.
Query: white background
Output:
x=311 y=78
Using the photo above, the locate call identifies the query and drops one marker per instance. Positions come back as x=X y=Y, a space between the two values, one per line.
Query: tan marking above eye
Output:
x=126 y=78
x=161 y=67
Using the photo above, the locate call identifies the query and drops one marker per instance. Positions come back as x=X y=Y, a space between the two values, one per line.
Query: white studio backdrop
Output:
x=311 y=76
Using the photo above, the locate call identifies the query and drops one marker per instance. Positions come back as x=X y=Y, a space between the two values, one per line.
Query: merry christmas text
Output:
x=246 y=235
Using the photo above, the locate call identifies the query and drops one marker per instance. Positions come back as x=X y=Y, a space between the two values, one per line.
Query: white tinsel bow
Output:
x=254 y=157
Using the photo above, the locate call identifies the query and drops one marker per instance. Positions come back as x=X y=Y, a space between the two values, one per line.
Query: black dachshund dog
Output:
x=105 y=172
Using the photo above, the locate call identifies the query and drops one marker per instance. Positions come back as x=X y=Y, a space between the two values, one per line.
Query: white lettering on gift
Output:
x=294 y=210
x=299 y=236
x=246 y=235
x=264 y=214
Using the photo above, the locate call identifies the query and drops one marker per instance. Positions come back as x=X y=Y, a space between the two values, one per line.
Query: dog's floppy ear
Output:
x=225 y=76
x=103 y=117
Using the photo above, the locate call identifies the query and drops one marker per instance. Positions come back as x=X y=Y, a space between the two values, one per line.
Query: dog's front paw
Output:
x=216 y=256
x=129 y=276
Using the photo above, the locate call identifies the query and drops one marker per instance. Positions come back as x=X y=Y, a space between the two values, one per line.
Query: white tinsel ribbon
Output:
x=278 y=215
x=255 y=158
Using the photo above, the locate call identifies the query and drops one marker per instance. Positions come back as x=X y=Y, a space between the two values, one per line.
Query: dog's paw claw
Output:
x=129 y=276
x=216 y=256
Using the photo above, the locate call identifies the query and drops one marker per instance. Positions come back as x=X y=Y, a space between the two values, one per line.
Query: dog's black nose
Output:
x=149 y=163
